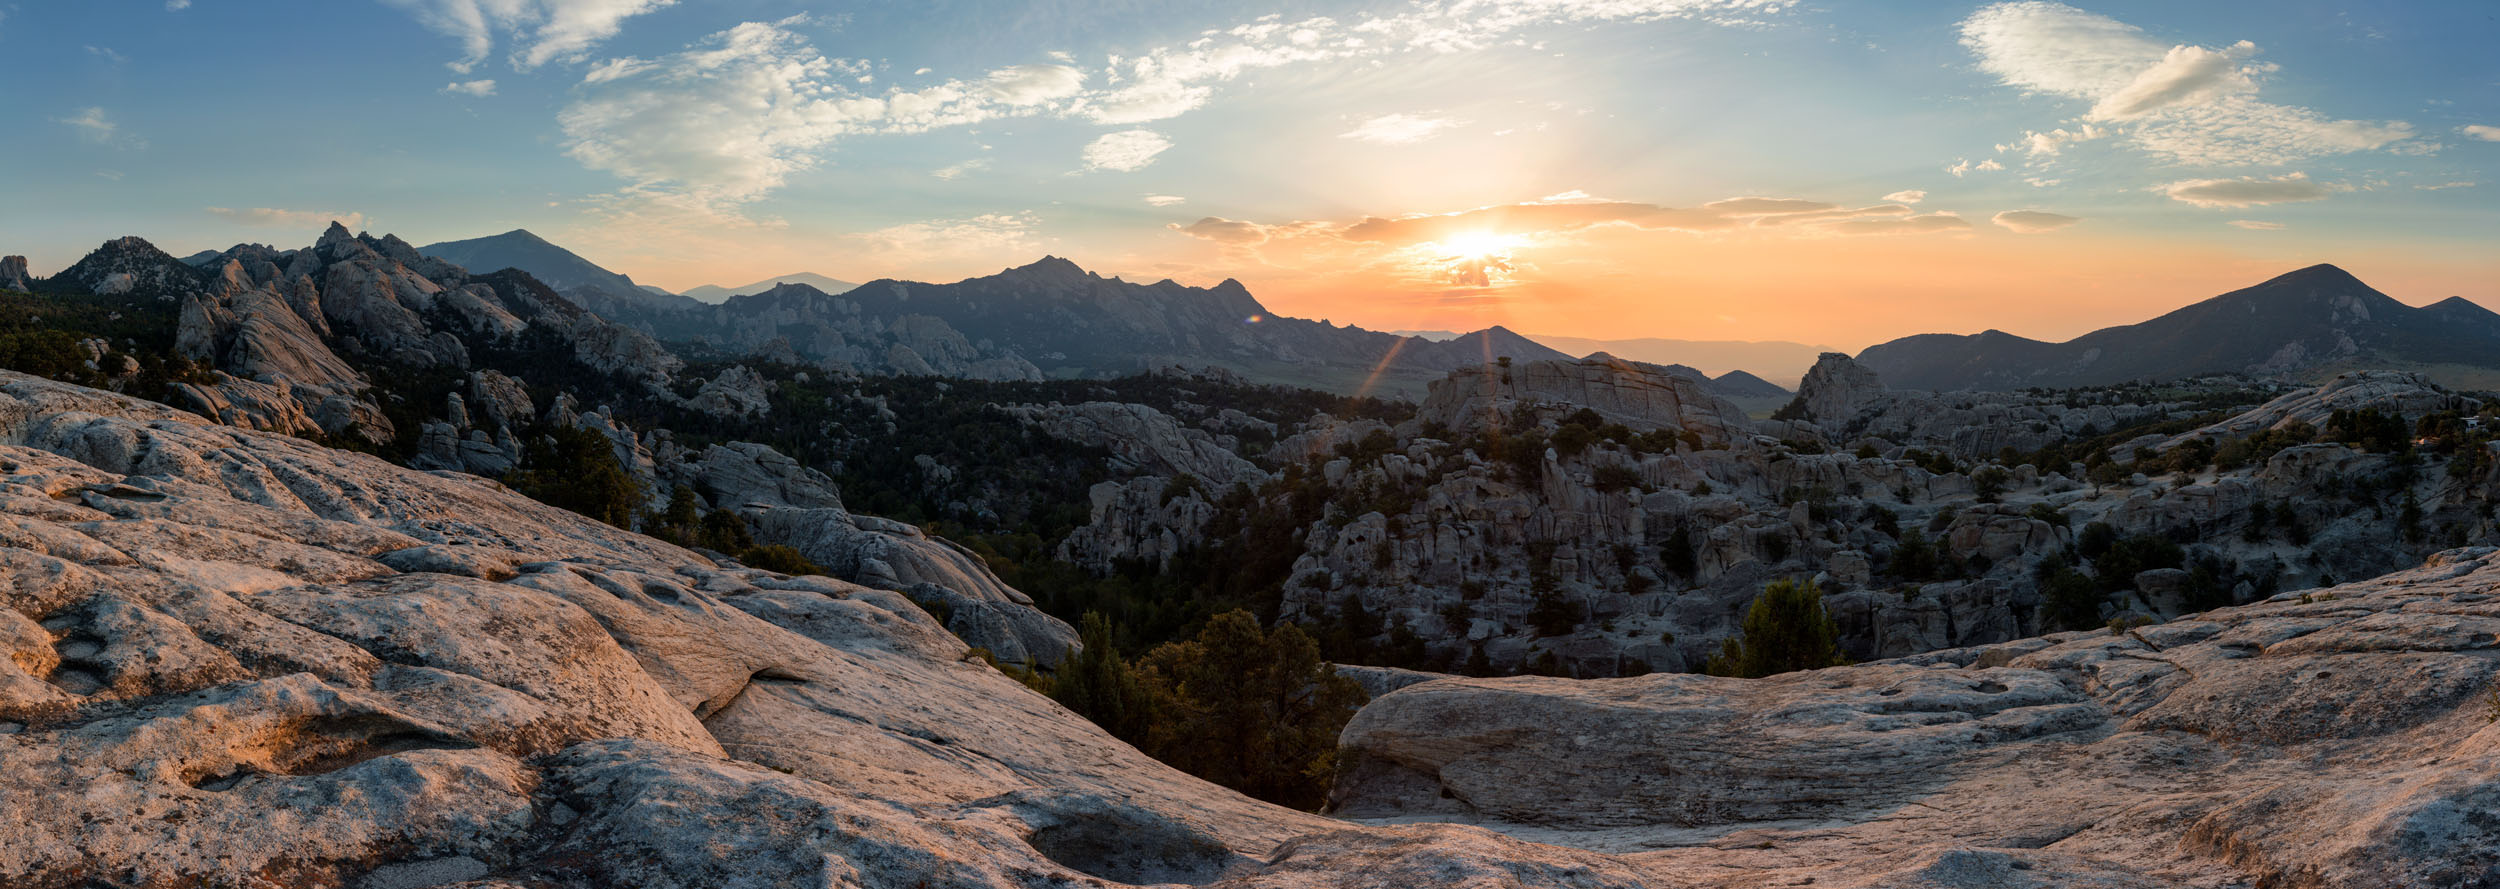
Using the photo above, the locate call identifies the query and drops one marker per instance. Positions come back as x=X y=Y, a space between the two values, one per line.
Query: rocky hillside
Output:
x=1598 y=518
x=2294 y=325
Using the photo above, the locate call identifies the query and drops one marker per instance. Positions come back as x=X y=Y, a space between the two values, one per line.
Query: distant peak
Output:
x=523 y=234
x=2322 y=273
x=1050 y=270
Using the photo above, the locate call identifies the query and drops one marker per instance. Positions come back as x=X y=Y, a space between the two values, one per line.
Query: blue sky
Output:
x=2106 y=158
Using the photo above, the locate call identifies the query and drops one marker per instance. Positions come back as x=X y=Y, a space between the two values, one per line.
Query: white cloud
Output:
x=1906 y=196
x=2187 y=75
x=2189 y=104
x=107 y=53
x=1034 y=84
x=2444 y=186
x=961 y=170
x=2479 y=131
x=1126 y=151
x=1964 y=166
x=177 y=5
x=989 y=235
x=2257 y=226
x=728 y=120
x=2051 y=143
x=1165 y=200
x=308 y=220
x=2033 y=222
x=478 y=88
x=541 y=31
x=1399 y=129
x=2246 y=192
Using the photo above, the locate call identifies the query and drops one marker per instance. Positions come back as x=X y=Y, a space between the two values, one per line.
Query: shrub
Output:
x=1785 y=629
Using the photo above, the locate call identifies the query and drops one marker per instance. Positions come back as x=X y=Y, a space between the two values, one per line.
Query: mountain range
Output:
x=714 y=293
x=1771 y=360
x=1053 y=319
x=2303 y=324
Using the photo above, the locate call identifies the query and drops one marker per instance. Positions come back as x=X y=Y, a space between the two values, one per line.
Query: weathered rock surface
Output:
x=1143 y=438
x=2408 y=394
x=1642 y=396
x=2335 y=738
x=13 y=274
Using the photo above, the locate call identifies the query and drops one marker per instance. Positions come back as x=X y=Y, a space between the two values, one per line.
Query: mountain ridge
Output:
x=2299 y=323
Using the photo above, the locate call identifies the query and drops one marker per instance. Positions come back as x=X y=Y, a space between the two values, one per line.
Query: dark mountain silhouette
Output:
x=2320 y=317
x=714 y=293
x=595 y=288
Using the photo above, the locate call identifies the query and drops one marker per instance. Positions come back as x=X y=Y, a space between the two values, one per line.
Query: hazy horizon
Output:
x=1844 y=174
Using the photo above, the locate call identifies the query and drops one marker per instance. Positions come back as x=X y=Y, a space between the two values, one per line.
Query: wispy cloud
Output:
x=958 y=171
x=177 y=5
x=1543 y=218
x=2480 y=131
x=2033 y=222
x=2246 y=192
x=730 y=118
x=1126 y=151
x=1399 y=129
x=107 y=53
x=2257 y=225
x=541 y=31
x=477 y=88
x=2184 y=103
x=1165 y=200
x=1906 y=196
x=96 y=125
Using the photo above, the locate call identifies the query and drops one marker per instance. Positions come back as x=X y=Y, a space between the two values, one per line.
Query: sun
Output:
x=1479 y=246
x=1468 y=259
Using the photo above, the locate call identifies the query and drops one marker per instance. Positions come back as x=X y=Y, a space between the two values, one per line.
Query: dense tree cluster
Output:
x=1254 y=710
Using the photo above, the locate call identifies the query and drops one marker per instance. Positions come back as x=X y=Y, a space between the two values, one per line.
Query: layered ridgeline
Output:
x=2305 y=324
x=1049 y=319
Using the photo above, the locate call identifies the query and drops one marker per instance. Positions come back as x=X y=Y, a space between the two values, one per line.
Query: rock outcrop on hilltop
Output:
x=13 y=274
x=1641 y=396
x=1143 y=438
x=291 y=333
x=1841 y=400
x=2407 y=394
x=2338 y=737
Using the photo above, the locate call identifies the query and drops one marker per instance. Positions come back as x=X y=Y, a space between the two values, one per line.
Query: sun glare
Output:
x=1479 y=245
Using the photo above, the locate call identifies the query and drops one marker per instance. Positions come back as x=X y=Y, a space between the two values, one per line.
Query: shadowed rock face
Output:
x=1639 y=395
x=2336 y=738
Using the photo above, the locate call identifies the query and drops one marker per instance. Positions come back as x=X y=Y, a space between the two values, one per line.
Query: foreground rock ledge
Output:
x=2336 y=738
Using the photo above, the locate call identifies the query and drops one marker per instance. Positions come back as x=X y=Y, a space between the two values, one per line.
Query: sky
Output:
x=1835 y=173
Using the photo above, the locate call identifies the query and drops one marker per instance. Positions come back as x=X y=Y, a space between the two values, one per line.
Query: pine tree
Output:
x=1786 y=629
